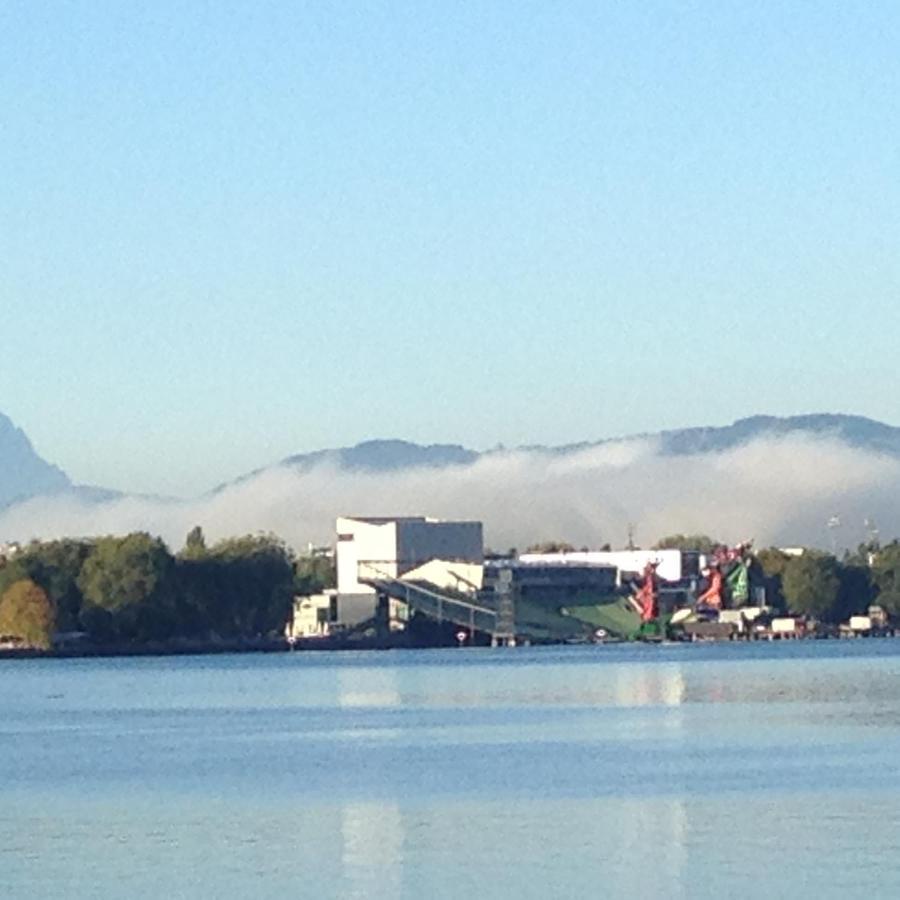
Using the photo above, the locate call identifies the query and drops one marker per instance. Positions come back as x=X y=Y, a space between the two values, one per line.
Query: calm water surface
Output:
x=680 y=771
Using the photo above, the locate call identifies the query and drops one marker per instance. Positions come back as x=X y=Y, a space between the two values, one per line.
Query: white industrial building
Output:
x=314 y=615
x=395 y=547
x=673 y=565
x=447 y=555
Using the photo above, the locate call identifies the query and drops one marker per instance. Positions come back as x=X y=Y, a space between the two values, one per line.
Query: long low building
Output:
x=673 y=565
x=554 y=580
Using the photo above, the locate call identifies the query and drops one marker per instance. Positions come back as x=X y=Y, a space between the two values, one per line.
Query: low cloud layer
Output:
x=776 y=491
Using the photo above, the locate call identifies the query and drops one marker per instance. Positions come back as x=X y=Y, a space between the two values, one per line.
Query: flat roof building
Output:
x=392 y=547
x=395 y=546
x=560 y=581
x=673 y=565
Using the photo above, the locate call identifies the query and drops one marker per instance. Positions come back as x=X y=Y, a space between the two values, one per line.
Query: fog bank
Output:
x=776 y=491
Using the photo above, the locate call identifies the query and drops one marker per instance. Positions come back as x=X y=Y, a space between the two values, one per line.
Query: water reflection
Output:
x=660 y=685
x=817 y=844
x=368 y=687
x=372 y=850
x=635 y=848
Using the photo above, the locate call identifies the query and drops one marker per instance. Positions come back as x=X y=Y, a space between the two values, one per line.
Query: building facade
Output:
x=673 y=565
x=394 y=547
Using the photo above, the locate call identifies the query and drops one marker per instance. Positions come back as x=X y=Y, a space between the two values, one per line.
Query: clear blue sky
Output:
x=234 y=231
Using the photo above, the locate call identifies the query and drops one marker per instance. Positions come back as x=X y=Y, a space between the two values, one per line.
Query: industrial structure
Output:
x=381 y=561
x=393 y=573
x=398 y=545
x=671 y=565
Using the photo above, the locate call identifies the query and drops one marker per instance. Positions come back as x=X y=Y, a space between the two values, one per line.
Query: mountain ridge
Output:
x=24 y=474
x=393 y=454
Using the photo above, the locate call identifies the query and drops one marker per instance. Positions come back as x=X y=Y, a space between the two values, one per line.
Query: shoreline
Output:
x=303 y=645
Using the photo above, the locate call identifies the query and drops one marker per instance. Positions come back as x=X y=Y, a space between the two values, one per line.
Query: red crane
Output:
x=647 y=595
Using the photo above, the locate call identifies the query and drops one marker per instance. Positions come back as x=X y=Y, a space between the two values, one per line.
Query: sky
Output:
x=230 y=232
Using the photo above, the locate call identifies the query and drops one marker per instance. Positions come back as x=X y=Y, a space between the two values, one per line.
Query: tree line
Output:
x=819 y=584
x=830 y=589
x=133 y=590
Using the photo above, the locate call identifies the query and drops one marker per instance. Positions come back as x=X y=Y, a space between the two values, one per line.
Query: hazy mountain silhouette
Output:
x=856 y=431
x=24 y=474
x=394 y=455
x=387 y=456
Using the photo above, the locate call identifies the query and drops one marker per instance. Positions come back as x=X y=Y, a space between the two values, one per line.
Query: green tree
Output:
x=194 y=544
x=551 y=547
x=856 y=591
x=26 y=613
x=701 y=542
x=312 y=574
x=812 y=584
x=771 y=564
x=199 y=587
x=773 y=561
x=242 y=588
x=127 y=588
x=886 y=577
x=11 y=571
x=55 y=566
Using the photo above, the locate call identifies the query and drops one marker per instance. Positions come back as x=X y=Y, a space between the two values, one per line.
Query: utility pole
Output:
x=631 y=528
x=833 y=524
x=874 y=544
x=872 y=531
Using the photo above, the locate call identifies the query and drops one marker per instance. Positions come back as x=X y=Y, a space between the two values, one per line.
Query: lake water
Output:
x=649 y=771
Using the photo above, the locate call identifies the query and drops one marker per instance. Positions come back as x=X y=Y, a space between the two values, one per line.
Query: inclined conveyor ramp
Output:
x=441 y=604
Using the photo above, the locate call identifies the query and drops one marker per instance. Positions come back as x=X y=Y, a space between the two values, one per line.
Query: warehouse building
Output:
x=673 y=565
x=397 y=547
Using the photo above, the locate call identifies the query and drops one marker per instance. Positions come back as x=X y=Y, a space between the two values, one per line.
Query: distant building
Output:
x=673 y=565
x=400 y=547
x=554 y=580
x=8 y=551
x=315 y=615
x=314 y=551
